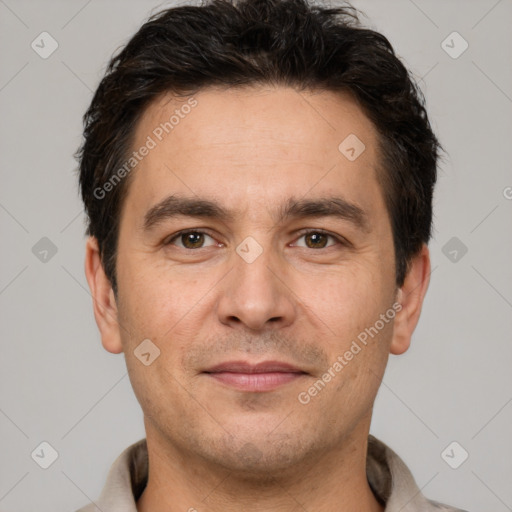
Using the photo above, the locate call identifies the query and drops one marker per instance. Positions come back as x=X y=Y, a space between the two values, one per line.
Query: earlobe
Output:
x=104 y=303
x=410 y=296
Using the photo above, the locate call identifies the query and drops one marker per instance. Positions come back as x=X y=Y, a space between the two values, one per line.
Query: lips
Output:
x=264 y=376
x=263 y=367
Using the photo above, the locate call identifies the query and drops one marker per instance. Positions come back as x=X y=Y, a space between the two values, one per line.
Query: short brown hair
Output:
x=273 y=42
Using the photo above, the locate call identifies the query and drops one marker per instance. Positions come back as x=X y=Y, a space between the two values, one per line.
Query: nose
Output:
x=256 y=295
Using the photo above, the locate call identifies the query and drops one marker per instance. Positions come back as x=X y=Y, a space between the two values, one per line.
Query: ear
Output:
x=104 y=303
x=411 y=296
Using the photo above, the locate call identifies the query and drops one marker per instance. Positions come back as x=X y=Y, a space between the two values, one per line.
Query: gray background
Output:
x=57 y=383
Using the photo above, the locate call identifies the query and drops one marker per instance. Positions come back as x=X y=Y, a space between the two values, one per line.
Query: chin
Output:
x=260 y=455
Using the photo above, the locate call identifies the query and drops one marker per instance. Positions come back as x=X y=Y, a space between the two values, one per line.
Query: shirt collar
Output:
x=389 y=478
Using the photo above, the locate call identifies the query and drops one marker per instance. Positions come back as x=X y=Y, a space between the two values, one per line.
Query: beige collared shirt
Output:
x=388 y=476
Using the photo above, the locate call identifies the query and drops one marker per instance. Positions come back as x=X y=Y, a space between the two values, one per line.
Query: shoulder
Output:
x=439 y=507
x=392 y=481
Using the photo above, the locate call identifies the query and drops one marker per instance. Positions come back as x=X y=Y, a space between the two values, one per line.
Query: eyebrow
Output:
x=175 y=206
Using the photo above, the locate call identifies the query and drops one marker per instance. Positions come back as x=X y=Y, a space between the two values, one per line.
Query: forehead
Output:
x=254 y=146
x=279 y=117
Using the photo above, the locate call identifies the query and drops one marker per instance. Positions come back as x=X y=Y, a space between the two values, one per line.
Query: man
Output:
x=258 y=177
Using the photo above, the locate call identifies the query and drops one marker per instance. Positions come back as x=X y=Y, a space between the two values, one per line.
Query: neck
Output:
x=335 y=480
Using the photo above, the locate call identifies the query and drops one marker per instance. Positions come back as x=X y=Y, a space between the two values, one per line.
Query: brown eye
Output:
x=316 y=240
x=192 y=240
x=189 y=240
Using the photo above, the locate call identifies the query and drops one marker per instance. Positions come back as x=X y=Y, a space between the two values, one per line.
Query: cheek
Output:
x=155 y=295
x=349 y=303
x=347 y=297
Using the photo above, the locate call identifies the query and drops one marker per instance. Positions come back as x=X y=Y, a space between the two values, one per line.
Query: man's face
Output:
x=253 y=285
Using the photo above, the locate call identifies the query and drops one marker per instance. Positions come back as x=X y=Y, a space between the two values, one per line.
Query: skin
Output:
x=212 y=447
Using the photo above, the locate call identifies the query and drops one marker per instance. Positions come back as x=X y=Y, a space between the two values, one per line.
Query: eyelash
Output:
x=177 y=235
